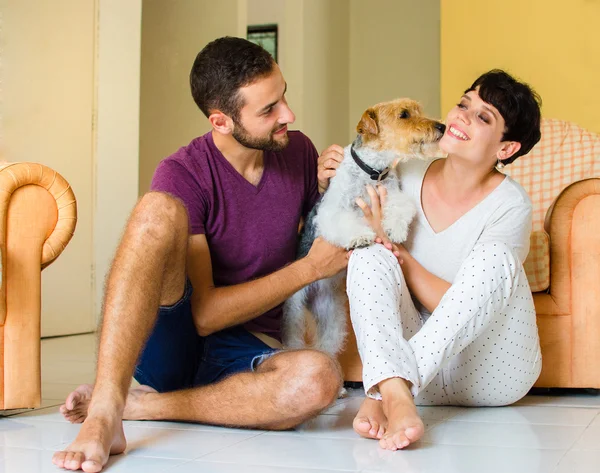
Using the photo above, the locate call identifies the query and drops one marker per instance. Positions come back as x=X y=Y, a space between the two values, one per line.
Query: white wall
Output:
x=117 y=130
x=341 y=56
x=313 y=56
x=173 y=32
x=127 y=65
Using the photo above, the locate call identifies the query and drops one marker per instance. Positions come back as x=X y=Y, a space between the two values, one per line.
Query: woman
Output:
x=448 y=318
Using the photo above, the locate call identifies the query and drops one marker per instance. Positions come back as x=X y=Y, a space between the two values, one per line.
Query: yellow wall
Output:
x=394 y=52
x=552 y=44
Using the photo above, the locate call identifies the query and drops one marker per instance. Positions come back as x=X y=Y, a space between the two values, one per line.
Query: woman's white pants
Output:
x=479 y=347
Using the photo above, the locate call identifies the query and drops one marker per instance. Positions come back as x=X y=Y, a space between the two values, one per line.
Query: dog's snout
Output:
x=440 y=127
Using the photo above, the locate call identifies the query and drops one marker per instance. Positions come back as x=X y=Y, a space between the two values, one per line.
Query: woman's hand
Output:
x=398 y=249
x=328 y=162
x=374 y=212
x=374 y=216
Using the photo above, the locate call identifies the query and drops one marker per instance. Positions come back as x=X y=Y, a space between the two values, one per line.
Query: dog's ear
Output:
x=368 y=123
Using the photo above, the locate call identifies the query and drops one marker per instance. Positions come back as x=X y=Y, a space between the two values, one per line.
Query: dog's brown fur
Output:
x=398 y=124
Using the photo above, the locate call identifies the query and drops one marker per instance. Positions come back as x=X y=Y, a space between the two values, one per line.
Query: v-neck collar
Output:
x=471 y=210
x=234 y=172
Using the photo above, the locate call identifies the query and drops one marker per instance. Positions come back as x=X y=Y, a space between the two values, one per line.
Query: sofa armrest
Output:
x=573 y=223
x=14 y=176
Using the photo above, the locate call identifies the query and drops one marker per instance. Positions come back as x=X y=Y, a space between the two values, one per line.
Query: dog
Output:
x=388 y=133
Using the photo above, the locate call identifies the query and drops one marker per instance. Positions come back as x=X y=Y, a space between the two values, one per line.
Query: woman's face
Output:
x=474 y=130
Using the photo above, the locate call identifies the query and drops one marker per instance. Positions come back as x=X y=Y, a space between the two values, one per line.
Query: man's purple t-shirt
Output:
x=251 y=230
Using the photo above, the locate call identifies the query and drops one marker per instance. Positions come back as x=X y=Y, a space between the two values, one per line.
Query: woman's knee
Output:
x=498 y=256
x=373 y=260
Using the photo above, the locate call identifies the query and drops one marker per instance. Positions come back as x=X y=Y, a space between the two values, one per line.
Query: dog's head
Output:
x=400 y=126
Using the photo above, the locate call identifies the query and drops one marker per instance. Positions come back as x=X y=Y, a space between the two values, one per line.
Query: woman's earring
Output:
x=499 y=165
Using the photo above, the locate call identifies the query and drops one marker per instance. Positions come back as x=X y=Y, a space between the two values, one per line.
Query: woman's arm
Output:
x=425 y=286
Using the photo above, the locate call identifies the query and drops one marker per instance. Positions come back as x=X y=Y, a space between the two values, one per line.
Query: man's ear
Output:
x=368 y=123
x=221 y=122
x=508 y=149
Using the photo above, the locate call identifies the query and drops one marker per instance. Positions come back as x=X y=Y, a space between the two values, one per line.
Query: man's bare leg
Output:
x=148 y=271
x=287 y=389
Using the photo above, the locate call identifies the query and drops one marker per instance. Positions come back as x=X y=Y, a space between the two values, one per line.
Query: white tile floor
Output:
x=545 y=434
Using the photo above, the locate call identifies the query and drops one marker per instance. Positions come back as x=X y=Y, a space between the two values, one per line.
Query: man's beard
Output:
x=262 y=143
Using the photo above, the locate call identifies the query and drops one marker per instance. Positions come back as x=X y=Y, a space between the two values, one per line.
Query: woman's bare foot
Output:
x=101 y=435
x=370 y=421
x=404 y=424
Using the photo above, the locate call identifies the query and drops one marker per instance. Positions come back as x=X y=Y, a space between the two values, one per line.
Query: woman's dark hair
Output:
x=222 y=68
x=518 y=104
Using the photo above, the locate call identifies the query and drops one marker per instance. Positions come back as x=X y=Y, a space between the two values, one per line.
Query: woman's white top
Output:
x=503 y=216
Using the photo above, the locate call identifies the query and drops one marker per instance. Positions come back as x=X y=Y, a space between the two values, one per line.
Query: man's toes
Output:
x=73 y=460
x=72 y=400
x=59 y=458
x=92 y=465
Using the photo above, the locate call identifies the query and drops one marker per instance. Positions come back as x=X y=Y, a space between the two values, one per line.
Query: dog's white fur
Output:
x=340 y=221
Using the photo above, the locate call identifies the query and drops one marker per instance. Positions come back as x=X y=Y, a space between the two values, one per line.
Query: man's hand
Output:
x=328 y=162
x=326 y=259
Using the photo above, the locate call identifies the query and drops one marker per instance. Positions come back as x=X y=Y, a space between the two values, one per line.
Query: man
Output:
x=222 y=219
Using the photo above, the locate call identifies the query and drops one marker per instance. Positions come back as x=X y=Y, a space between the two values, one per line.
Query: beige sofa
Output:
x=38 y=213
x=562 y=176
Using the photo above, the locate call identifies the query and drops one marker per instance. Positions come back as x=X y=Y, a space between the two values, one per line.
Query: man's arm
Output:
x=217 y=308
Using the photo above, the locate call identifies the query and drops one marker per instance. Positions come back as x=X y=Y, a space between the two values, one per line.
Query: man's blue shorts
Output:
x=176 y=357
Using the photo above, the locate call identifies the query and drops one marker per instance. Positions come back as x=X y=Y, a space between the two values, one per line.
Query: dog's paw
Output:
x=398 y=233
x=360 y=242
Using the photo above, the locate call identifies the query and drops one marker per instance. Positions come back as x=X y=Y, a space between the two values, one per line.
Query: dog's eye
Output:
x=404 y=114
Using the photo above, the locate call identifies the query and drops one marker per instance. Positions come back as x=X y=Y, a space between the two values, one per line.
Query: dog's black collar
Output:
x=373 y=173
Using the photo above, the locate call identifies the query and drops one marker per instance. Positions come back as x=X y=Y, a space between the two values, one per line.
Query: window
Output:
x=265 y=36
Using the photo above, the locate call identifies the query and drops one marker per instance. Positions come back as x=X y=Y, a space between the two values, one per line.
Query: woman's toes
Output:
x=374 y=429
x=362 y=425
x=387 y=444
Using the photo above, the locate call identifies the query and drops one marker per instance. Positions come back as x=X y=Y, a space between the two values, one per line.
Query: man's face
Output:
x=264 y=117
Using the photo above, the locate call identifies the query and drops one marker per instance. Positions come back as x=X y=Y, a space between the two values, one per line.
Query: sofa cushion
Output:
x=537 y=263
x=565 y=154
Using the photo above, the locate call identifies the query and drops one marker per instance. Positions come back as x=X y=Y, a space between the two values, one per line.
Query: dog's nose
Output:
x=441 y=127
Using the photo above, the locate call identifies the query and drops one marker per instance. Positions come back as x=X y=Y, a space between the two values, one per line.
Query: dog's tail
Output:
x=308 y=234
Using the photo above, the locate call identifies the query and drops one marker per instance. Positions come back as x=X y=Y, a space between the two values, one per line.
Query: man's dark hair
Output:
x=518 y=104
x=222 y=68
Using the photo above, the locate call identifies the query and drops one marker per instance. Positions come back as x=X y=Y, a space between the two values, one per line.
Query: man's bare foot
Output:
x=134 y=406
x=370 y=422
x=404 y=424
x=101 y=435
x=76 y=405
x=75 y=408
